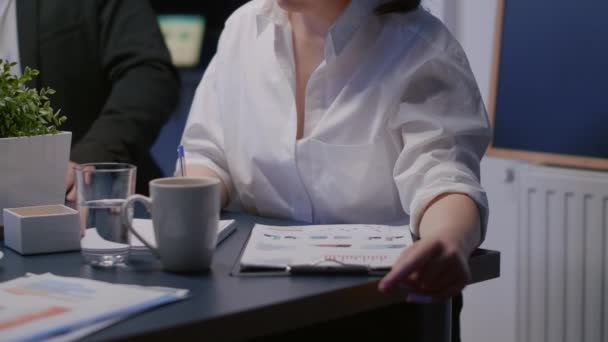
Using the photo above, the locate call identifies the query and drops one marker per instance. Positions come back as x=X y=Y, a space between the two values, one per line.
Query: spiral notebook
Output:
x=146 y=230
x=92 y=241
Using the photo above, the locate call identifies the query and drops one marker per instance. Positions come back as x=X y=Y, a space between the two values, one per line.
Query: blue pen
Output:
x=182 y=160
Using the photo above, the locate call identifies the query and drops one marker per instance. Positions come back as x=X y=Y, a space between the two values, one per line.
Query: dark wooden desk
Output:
x=224 y=307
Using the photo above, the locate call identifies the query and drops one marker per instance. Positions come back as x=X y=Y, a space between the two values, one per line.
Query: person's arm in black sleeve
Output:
x=145 y=85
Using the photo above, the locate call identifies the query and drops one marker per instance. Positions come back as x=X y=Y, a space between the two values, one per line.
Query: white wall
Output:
x=474 y=28
x=489 y=307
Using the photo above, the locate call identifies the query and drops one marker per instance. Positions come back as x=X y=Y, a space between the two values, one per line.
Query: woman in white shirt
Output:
x=338 y=111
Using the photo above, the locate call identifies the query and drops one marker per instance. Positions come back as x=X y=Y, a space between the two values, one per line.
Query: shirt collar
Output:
x=270 y=13
x=341 y=31
x=350 y=21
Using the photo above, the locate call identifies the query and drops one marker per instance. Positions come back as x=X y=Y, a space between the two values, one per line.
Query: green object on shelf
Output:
x=184 y=37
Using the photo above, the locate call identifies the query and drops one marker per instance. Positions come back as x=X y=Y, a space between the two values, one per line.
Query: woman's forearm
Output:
x=203 y=171
x=453 y=217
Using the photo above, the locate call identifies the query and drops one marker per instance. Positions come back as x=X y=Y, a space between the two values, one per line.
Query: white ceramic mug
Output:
x=185 y=214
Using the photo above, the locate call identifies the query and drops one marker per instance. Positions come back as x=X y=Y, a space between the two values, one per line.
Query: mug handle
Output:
x=126 y=219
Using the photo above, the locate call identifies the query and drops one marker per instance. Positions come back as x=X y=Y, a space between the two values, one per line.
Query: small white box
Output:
x=42 y=229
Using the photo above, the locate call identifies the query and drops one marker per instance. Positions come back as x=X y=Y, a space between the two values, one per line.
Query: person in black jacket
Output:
x=113 y=75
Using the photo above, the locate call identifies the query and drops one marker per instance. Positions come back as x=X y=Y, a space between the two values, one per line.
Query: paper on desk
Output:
x=92 y=241
x=145 y=228
x=374 y=246
x=91 y=329
x=84 y=332
x=39 y=307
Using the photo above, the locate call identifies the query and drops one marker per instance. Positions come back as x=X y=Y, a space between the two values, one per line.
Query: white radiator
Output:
x=562 y=276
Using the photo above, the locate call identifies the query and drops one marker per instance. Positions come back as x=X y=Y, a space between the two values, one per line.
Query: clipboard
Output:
x=317 y=268
x=338 y=269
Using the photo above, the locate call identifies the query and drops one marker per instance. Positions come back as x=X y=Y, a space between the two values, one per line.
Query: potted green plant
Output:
x=34 y=152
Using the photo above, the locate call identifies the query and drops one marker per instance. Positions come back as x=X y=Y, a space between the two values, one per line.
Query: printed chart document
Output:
x=41 y=307
x=332 y=248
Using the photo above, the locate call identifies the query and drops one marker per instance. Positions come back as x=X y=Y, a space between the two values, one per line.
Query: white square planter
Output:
x=33 y=170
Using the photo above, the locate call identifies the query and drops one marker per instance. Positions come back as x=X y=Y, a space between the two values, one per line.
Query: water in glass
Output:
x=102 y=189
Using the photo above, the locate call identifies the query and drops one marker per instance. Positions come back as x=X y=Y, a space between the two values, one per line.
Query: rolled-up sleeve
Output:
x=203 y=137
x=443 y=126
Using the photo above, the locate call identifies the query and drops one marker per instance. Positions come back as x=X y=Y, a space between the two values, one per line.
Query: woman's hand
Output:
x=433 y=267
x=437 y=264
x=70 y=182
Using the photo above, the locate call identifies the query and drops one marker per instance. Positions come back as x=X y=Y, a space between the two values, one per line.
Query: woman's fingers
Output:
x=71 y=196
x=451 y=278
x=411 y=259
x=431 y=274
x=431 y=267
x=69 y=177
x=447 y=269
x=451 y=282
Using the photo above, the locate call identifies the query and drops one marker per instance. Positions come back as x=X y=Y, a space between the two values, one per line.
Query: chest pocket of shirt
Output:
x=351 y=183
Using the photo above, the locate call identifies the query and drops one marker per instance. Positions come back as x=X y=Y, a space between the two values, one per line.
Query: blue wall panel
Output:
x=553 y=78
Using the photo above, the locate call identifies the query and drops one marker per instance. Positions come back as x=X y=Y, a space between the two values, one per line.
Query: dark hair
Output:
x=398 y=6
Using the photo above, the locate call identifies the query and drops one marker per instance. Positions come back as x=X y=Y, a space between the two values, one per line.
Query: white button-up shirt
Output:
x=393 y=118
x=9 y=42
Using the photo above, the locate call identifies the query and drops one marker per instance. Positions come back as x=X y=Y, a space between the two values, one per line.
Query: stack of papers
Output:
x=325 y=247
x=41 y=307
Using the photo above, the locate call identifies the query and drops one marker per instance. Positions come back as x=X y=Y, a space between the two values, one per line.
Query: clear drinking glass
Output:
x=102 y=188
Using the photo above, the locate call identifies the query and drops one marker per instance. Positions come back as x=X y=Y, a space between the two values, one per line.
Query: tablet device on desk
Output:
x=145 y=229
